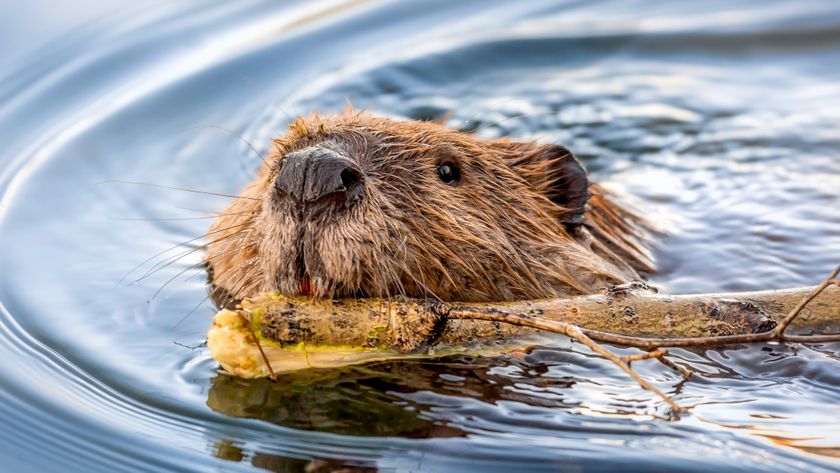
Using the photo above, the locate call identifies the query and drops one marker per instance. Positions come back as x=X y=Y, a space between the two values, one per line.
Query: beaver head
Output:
x=358 y=205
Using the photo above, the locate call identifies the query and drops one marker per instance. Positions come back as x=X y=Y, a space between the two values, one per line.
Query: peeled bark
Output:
x=289 y=333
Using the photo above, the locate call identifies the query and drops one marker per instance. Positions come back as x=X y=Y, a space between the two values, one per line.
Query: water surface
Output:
x=719 y=120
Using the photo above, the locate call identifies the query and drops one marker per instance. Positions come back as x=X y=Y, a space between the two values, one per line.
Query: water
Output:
x=720 y=120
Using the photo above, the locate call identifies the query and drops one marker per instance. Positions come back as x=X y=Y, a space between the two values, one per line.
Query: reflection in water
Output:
x=386 y=398
x=394 y=398
x=228 y=451
x=720 y=120
x=346 y=401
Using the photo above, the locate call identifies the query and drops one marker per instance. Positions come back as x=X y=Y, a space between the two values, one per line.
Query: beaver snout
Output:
x=318 y=173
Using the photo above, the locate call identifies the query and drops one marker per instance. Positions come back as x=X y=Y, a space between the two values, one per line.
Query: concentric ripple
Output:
x=721 y=121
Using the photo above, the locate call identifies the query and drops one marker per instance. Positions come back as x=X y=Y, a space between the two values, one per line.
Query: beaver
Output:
x=357 y=205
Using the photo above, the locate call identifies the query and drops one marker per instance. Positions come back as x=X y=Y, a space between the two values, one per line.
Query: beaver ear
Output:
x=554 y=171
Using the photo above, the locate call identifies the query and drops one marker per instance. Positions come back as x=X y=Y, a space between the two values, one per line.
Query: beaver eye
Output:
x=448 y=173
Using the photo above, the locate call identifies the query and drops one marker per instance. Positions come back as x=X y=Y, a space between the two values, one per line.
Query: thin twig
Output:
x=645 y=356
x=687 y=373
x=256 y=340
x=830 y=281
x=571 y=331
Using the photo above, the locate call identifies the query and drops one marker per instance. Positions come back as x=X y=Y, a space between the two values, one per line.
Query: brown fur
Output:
x=496 y=235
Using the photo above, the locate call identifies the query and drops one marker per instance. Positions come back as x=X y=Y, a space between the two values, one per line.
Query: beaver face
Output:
x=356 y=205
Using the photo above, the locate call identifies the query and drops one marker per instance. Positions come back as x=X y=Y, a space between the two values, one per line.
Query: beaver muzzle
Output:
x=319 y=173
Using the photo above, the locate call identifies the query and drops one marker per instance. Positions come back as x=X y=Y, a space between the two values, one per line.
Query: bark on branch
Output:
x=275 y=333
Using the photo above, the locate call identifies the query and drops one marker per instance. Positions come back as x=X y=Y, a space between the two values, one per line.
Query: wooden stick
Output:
x=632 y=315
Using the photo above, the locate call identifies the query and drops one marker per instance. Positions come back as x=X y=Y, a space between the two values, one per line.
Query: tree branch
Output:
x=298 y=333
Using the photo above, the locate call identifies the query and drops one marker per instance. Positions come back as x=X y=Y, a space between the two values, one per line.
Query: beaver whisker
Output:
x=160 y=186
x=420 y=283
x=169 y=281
x=215 y=212
x=250 y=263
x=180 y=273
x=379 y=278
x=427 y=291
x=209 y=295
x=395 y=275
x=163 y=252
x=188 y=314
x=397 y=281
x=166 y=262
x=212 y=215
x=216 y=282
x=388 y=279
x=242 y=138
x=188 y=268
x=199 y=273
x=165 y=219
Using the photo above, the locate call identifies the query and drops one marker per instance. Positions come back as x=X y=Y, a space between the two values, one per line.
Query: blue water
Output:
x=720 y=120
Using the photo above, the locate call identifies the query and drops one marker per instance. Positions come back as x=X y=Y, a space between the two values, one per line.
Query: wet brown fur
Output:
x=494 y=236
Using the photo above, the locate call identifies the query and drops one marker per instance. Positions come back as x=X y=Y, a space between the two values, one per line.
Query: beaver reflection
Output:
x=354 y=400
x=378 y=399
x=357 y=205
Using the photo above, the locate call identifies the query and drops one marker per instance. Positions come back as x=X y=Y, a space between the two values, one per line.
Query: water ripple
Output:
x=719 y=120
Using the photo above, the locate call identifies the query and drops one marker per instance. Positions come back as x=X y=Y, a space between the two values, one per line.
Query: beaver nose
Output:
x=316 y=172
